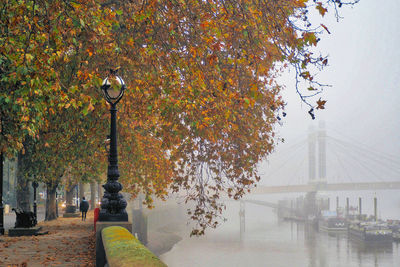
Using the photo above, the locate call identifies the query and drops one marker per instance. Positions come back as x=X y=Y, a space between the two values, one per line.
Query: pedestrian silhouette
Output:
x=83 y=207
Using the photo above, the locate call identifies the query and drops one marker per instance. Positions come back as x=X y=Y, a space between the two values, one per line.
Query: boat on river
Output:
x=334 y=224
x=330 y=222
x=395 y=226
x=396 y=236
x=370 y=231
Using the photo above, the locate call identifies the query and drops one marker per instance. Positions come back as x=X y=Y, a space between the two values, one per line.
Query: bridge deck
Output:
x=262 y=203
x=326 y=187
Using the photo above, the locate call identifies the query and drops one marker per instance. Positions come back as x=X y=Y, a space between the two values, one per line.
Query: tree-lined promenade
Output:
x=202 y=98
x=69 y=242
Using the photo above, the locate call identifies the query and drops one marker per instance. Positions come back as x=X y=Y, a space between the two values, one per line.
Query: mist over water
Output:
x=270 y=242
x=362 y=116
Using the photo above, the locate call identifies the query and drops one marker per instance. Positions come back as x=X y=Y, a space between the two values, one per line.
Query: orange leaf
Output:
x=321 y=9
x=321 y=104
x=326 y=28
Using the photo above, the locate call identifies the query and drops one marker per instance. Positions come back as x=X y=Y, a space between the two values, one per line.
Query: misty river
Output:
x=270 y=242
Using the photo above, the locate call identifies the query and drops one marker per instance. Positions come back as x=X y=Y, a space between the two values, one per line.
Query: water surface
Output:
x=270 y=242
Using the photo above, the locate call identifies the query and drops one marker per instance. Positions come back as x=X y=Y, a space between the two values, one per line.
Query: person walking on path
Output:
x=83 y=207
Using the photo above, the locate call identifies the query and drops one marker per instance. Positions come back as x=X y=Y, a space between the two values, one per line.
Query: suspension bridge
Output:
x=354 y=167
x=357 y=166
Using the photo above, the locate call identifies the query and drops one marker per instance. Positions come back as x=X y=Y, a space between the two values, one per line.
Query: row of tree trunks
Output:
x=92 y=195
x=24 y=196
x=51 y=204
x=81 y=191
x=69 y=196
x=23 y=190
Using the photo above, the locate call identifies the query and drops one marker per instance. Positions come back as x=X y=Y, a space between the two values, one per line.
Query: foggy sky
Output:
x=364 y=71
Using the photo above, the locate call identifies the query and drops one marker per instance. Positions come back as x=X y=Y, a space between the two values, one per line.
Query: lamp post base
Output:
x=104 y=216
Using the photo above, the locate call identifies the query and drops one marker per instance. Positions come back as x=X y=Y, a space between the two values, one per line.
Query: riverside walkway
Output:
x=70 y=242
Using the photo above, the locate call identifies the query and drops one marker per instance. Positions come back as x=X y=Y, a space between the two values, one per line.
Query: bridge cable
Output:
x=368 y=148
x=340 y=163
x=296 y=171
x=370 y=154
x=378 y=162
x=281 y=166
x=292 y=155
x=359 y=162
x=365 y=145
x=287 y=150
x=364 y=166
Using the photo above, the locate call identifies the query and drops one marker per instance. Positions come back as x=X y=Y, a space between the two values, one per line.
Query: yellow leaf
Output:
x=90 y=107
x=321 y=9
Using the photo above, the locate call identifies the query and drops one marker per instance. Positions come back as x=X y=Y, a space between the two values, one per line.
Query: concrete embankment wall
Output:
x=123 y=249
x=159 y=228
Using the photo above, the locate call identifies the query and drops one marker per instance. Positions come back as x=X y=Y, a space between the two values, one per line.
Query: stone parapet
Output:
x=100 y=253
x=122 y=249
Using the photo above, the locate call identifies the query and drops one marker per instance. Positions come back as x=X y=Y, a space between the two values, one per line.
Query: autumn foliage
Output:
x=202 y=98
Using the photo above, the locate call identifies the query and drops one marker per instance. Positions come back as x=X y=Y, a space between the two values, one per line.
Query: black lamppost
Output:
x=34 y=185
x=1 y=196
x=113 y=203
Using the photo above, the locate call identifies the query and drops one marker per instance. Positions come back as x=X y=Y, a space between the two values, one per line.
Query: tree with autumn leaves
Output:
x=44 y=96
x=202 y=99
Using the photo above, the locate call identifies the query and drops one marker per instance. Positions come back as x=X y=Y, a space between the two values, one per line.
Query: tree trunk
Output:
x=81 y=191
x=69 y=195
x=23 y=192
x=100 y=191
x=51 y=208
x=92 y=195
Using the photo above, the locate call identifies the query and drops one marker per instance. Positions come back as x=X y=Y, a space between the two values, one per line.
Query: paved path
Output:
x=70 y=242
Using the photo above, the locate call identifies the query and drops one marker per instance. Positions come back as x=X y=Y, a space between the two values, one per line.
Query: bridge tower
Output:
x=242 y=218
x=317 y=137
x=309 y=202
x=311 y=154
x=322 y=152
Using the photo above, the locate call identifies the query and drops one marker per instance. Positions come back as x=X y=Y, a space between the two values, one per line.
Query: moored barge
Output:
x=370 y=231
x=396 y=236
x=333 y=224
x=330 y=222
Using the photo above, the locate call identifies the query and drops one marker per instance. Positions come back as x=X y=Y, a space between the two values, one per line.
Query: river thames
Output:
x=268 y=241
